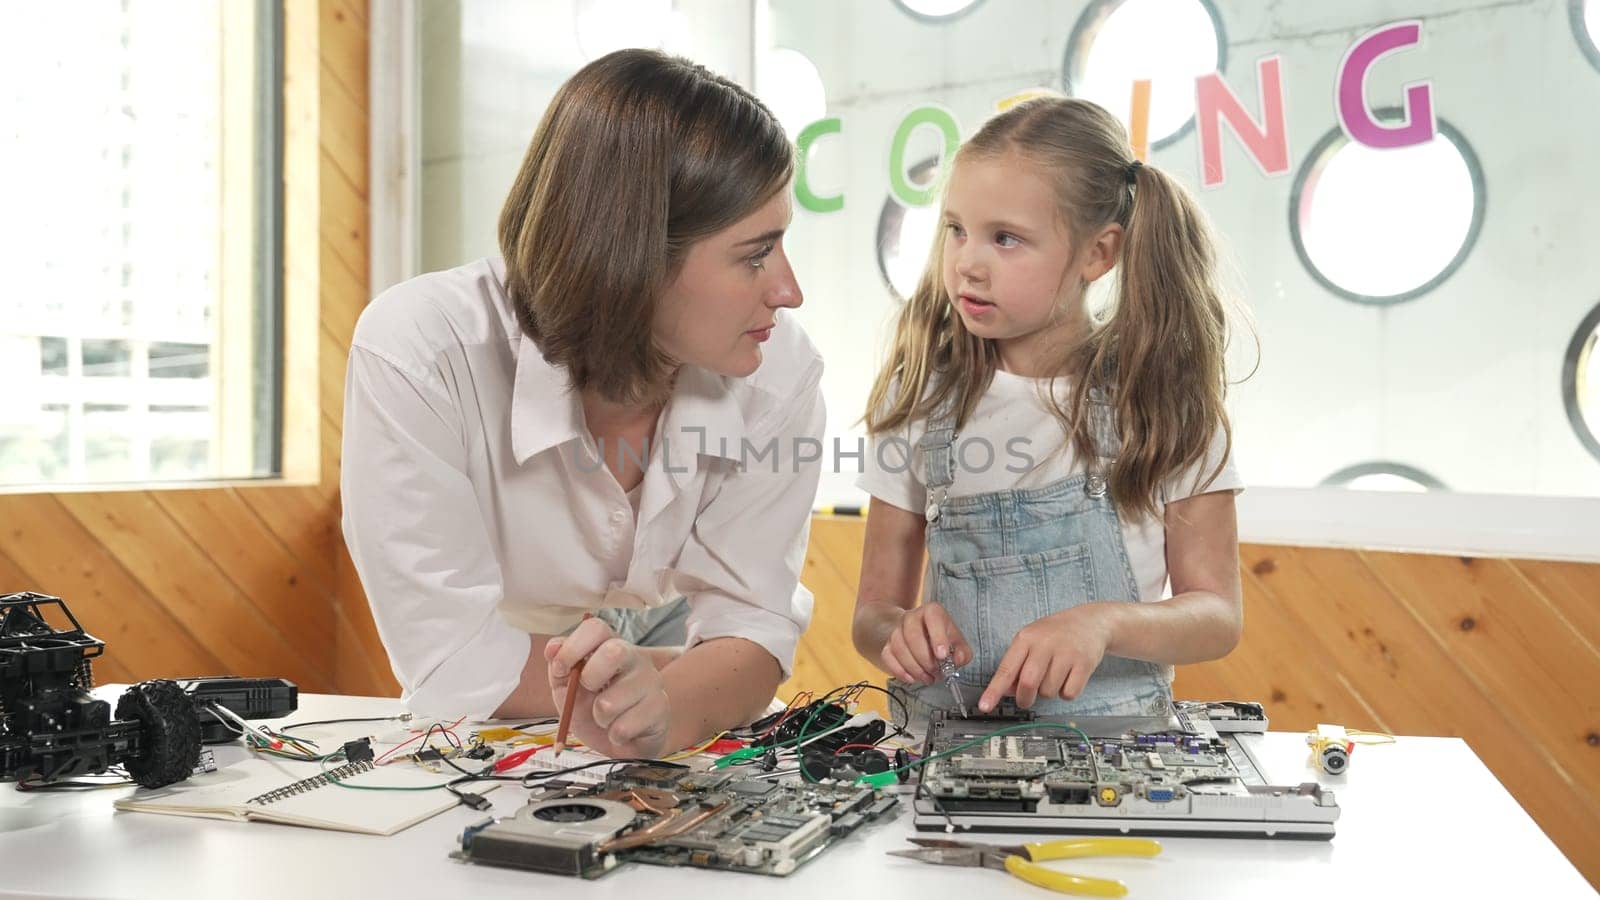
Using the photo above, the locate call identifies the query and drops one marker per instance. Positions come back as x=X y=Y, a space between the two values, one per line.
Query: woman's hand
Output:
x=1052 y=657
x=622 y=708
x=924 y=636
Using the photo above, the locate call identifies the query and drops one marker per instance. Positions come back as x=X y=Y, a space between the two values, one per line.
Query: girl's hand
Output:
x=924 y=636
x=622 y=708
x=1053 y=657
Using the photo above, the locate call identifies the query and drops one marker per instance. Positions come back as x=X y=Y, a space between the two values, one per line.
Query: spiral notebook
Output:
x=261 y=789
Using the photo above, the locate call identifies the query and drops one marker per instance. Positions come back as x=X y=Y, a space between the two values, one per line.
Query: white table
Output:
x=1422 y=817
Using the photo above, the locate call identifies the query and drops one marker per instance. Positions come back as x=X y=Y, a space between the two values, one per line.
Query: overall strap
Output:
x=939 y=458
x=1103 y=428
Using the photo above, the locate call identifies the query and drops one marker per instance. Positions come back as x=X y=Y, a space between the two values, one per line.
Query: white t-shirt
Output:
x=1013 y=440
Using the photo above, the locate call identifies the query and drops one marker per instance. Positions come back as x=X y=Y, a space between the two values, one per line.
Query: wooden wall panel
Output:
x=54 y=553
x=301 y=520
x=285 y=590
x=1498 y=652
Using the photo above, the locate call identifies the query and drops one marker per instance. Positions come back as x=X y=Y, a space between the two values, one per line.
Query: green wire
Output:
x=800 y=737
x=752 y=752
x=376 y=787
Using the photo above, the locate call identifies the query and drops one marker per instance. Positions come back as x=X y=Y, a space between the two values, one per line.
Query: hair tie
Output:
x=1131 y=174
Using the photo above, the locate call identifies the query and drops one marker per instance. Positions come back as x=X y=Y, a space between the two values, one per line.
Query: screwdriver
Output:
x=947 y=668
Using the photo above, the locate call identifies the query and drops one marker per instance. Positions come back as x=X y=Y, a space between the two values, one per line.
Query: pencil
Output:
x=571 y=699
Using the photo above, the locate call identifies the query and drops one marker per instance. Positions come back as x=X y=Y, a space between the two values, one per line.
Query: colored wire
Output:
x=403 y=717
x=120 y=776
x=904 y=713
x=380 y=761
x=685 y=754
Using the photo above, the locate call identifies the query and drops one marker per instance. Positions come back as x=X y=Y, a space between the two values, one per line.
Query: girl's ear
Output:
x=1101 y=253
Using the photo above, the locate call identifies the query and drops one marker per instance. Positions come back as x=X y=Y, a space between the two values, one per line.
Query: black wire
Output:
x=340 y=722
x=476 y=776
x=486 y=774
x=904 y=712
x=550 y=721
x=949 y=823
x=28 y=787
x=449 y=738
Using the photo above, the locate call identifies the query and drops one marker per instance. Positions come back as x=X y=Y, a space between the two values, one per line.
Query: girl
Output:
x=558 y=429
x=1058 y=469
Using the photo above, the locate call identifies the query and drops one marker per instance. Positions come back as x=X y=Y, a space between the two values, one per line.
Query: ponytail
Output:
x=1160 y=354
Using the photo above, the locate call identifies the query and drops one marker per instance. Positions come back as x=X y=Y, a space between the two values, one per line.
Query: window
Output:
x=1580 y=382
x=1384 y=226
x=52 y=356
x=937 y=10
x=1167 y=42
x=141 y=166
x=174 y=360
x=106 y=358
x=1384 y=476
x=906 y=234
x=607 y=25
x=487 y=70
x=790 y=86
x=1586 y=27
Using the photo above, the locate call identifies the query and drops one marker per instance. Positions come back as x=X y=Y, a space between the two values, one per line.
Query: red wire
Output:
x=848 y=746
x=781 y=719
x=390 y=752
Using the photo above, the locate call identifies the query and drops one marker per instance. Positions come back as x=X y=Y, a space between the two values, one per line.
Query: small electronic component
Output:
x=674 y=817
x=357 y=751
x=1330 y=748
x=433 y=758
x=206 y=763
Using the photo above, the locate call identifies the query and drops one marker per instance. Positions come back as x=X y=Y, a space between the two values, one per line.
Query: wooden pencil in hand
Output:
x=571 y=700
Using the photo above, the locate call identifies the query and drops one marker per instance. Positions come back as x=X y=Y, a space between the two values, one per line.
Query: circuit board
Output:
x=1014 y=771
x=674 y=817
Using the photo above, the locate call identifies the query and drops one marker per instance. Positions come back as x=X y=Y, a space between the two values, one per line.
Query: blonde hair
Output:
x=638 y=155
x=1158 y=354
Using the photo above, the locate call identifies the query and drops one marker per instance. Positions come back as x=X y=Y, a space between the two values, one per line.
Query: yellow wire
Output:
x=685 y=754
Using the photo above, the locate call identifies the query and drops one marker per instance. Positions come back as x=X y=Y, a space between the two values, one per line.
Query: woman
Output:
x=604 y=420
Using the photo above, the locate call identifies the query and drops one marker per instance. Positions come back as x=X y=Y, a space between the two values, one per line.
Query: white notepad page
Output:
x=227 y=792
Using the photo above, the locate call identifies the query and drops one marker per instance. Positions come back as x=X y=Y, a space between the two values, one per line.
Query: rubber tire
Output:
x=171 y=741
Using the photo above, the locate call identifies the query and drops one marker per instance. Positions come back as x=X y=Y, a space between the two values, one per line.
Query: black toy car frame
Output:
x=52 y=727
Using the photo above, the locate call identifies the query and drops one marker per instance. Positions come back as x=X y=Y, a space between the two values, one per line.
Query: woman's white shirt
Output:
x=477 y=509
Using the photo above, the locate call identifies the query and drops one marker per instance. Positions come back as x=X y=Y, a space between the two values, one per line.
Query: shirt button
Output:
x=618 y=516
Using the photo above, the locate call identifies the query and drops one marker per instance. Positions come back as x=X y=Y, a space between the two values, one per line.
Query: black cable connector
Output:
x=358 y=751
x=477 y=801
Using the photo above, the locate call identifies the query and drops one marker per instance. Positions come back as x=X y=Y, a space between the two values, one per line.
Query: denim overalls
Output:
x=1002 y=560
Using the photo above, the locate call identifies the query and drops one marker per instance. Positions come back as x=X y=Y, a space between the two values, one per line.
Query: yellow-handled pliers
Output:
x=1022 y=860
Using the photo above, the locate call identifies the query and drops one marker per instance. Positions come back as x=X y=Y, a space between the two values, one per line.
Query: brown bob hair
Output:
x=639 y=155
